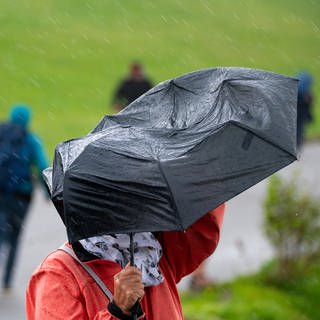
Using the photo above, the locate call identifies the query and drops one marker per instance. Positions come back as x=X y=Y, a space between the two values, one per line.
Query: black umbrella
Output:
x=183 y=148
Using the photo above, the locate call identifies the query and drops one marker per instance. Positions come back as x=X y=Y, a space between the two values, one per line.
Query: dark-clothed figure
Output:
x=20 y=151
x=132 y=87
x=305 y=100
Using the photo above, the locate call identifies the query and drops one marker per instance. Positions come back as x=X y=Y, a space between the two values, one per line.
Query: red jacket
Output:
x=60 y=288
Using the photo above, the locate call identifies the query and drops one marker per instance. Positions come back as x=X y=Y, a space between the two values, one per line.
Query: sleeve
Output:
x=52 y=295
x=186 y=250
x=39 y=157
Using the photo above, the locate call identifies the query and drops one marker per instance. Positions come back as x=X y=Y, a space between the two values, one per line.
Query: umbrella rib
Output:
x=171 y=195
x=262 y=137
x=183 y=88
x=155 y=91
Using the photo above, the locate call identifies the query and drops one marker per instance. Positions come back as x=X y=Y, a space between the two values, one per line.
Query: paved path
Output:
x=242 y=247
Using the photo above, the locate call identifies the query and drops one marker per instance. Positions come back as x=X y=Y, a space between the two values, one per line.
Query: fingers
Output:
x=128 y=287
x=129 y=283
x=130 y=273
x=131 y=269
x=134 y=295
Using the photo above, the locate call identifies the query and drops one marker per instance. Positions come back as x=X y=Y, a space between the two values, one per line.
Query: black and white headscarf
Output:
x=116 y=248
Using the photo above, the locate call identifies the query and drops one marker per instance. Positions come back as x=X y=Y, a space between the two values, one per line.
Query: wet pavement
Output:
x=242 y=249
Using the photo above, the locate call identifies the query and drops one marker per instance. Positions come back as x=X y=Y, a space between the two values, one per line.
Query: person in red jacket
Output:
x=61 y=289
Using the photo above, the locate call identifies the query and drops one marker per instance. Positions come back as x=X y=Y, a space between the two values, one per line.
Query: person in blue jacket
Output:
x=21 y=154
x=305 y=105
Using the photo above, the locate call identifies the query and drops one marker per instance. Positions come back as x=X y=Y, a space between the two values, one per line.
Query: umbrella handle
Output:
x=131 y=249
x=134 y=308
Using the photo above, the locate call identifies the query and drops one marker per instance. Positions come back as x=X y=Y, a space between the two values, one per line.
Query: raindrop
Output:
x=315 y=26
x=208 y=8
x=29 y=31
x=89 y=6
x=51 y=115
x=255 y=25
x=52 y=80
x=235 y=15
x=174 y=20
x=286 y=20
x=99 y=92
x=34 y=82
x=185 y=22
x=129 y=28
x=141 y=50
x=164 y=18
x=52 y=20
x=149 y=35
x=229 y=39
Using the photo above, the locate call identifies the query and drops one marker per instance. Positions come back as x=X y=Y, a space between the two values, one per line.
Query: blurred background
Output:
x=66 y=60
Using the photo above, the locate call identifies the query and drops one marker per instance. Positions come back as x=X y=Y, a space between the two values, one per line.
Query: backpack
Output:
x=14 y=158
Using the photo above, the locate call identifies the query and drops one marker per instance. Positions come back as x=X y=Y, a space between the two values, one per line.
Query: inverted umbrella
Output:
x=184 y=147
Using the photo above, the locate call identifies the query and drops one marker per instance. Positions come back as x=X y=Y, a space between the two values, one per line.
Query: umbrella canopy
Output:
x=180 y=150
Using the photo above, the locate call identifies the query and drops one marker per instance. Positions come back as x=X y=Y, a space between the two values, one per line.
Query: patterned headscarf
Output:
x=116 y=247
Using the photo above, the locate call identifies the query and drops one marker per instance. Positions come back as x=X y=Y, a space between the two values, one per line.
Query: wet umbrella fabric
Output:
x=180 y=150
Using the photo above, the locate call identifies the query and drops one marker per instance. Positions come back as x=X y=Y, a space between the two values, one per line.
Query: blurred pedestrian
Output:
x=305 y=103
x=20 y=151
x=132 y=87
x=199 y=279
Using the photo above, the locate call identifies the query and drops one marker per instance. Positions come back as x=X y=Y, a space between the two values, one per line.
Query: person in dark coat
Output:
x=131 y=87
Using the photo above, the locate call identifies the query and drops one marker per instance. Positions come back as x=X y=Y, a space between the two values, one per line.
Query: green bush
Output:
x=292 y=224
x=253 y=297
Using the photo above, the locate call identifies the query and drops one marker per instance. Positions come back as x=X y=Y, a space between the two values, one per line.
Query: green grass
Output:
x=64 y=58
x=254 y=298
